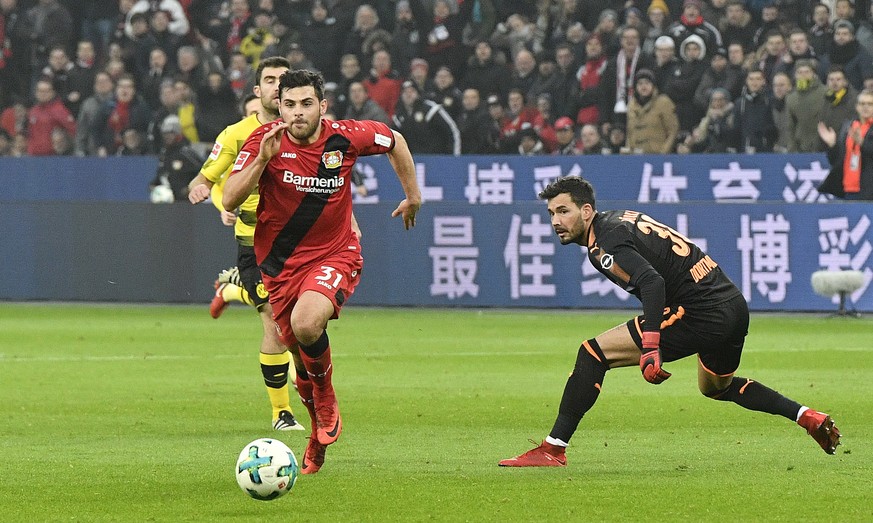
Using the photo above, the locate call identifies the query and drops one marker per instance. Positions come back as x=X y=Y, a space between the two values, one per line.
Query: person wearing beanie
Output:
x=691 y=22
x=719 y=74
x=667 y=65
x=680 y=88
x=847 y=53
x=651 y=118
x=658 y=22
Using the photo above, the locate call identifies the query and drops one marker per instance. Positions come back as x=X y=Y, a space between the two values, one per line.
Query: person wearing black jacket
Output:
x=754 y=128
x=427 y=127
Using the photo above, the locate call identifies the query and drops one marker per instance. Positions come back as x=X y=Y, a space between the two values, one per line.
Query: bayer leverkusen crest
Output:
x=332 y=159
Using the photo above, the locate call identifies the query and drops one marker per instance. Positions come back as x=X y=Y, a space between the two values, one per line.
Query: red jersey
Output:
x=305 y=212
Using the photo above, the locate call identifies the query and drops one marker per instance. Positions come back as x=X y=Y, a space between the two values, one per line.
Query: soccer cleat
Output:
x=286 y=421
x=218 y=302
x=544 y=455
x=313 y=458
x=822 y=429
x=327 y=416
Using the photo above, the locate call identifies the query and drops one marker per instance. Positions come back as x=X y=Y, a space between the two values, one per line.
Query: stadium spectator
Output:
x=228 y=31
x=320 y=38
x=524 y=72
x=839 y=104
x=557 y=19
x=781 y=88
x=360 y=107
x=739 y=26
x=159 y=26
x=427 y=127
x=848 y=54
x=692 y=23
x=718 y=75
x=216 y=107
x=58 y=72
x=804 y=105
x=498 y=123
x=547 y=79
x=13 y=119
x=565 y=92
x=98 y=17
x=681 y=87
x=576 y=37
x=62 y=144
x=15 y=51
x=136 y=46
x=864 y=31
x=5 y=144
x=441 y=33
x=651 y=118
x=419 y=74
x=529 y=142
x=821 y=33
x=82 y=75
x=51 y=26
x=519 y=113
x=383 y=83
x=667 y=65
x=258 y=36
x=190 y=69
x=87 y=119
x=844 y=10
x=485 y=72
x=850 y=153
x=774 y=51
x=517 y=33
x=177 y=19
x=445 y=92
x=47 y=114
x=178 y=162
x=590 y=142
x=616 y=134
x=150 y=83
x=754 y=130
x=366 y=22
x=132 y=144
x=738 y=60
x=590 y=92
x=769 y=24
x=546 y=118
x=617 y=79
x=127 y=110
x=657 y=14
x=187 y=110
x=350 y=71
x=565 y=137
x=474 y=124
x=798 y=49
x=296 y=55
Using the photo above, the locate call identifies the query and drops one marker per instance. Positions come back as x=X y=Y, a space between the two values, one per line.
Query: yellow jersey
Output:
x=217 y=167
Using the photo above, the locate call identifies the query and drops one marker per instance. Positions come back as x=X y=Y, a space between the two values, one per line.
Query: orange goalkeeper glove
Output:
x=650 y=361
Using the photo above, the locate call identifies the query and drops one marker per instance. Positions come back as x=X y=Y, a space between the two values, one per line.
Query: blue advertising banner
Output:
x=643 y=178
x=508 y=256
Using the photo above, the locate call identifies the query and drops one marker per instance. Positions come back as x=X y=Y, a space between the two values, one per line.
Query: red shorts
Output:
x=335 y=277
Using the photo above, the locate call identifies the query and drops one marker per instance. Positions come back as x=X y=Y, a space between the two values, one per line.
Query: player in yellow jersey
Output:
x=274 y=356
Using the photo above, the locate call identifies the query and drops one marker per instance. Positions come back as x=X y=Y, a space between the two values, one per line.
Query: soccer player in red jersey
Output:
x=301 y=165
x=689 y=307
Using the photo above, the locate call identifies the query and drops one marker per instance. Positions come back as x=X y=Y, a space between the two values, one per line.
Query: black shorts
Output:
x=716 y=335
x=250 y=275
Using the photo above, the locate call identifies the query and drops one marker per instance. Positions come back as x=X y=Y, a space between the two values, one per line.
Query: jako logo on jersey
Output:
x=288 y=155
x=240 y=161
x=216 y=150
x=332 y=159
x=606 y=261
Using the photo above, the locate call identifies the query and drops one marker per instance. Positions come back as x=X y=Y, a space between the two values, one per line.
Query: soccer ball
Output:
x=266 y=469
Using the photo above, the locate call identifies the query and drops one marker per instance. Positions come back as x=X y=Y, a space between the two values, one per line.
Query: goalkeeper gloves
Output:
x=650 y=361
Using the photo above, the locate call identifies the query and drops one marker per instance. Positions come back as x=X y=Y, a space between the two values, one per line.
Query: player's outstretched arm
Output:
x=401 y=159
x=241 y=184
x=199 y=189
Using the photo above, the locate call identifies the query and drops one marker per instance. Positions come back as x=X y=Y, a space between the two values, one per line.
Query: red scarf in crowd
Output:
x=852 y=160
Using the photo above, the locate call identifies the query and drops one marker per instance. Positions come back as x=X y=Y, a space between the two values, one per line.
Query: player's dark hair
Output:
x=246 y=99
x=272 y=61
x=301 y=78
x=580 y=190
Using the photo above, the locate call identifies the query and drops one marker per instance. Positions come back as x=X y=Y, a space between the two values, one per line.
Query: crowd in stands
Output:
x=529 y=77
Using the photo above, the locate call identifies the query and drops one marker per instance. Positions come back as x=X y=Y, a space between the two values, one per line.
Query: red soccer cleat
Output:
x=313 y=458
x=822 y=429
x=218 y=302
x=545 y=455
x=327 y=415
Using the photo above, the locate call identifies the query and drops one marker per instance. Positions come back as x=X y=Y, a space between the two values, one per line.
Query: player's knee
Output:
x=307 y=330
x=590 y=355
x=714 y=392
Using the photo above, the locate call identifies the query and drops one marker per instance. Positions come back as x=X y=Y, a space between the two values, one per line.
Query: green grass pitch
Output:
x=137 y=413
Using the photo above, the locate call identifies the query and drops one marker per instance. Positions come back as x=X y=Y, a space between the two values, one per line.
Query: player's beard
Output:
x=305 y=133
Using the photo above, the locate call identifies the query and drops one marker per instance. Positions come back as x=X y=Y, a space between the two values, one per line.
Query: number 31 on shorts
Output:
x=328 y=274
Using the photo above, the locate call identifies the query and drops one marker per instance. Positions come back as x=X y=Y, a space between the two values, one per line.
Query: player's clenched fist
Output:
x=650 y=361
